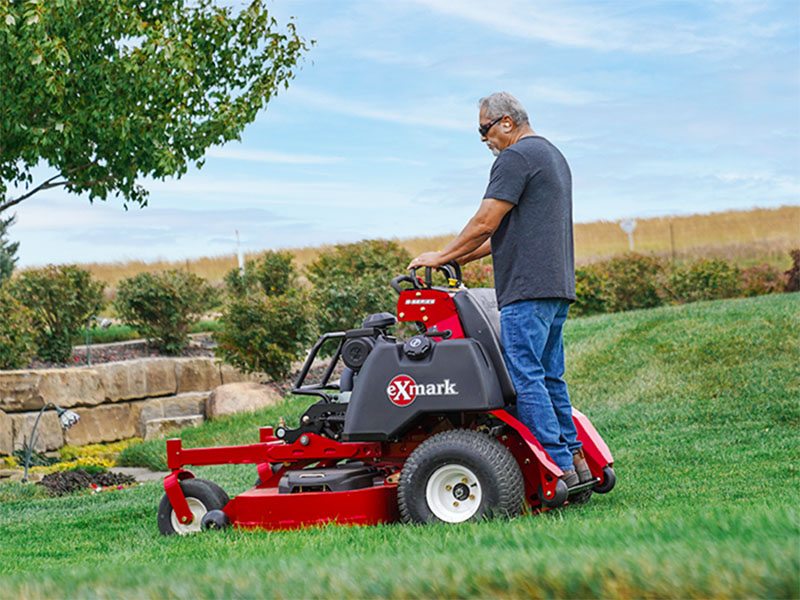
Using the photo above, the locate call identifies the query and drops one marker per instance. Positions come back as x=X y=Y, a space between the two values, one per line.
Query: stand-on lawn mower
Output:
x=422 y=430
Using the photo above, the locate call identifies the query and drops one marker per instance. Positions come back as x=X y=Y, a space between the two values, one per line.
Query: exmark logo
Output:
x=403 y=390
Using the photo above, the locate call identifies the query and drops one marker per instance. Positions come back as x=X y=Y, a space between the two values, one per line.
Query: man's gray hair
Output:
x=500 y=104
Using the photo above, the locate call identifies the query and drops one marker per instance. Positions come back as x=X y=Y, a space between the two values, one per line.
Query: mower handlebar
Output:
x=451 y=270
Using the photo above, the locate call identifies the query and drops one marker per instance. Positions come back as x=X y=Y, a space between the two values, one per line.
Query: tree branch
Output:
x=43 y=186
x=46 y=185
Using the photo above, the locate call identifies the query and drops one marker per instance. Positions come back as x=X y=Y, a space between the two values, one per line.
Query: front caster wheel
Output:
x=560 y=496
x=215 y=519
x=202 y=497
x=460 y=475
x=608 y=483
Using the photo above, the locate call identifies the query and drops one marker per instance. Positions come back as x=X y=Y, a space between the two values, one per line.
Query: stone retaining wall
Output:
x=114 y=400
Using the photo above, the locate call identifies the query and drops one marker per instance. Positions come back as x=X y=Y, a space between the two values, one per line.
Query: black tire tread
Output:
x=510 y=483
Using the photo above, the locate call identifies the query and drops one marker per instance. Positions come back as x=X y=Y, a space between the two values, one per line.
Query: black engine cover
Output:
x=353 y=476
x=393 y=390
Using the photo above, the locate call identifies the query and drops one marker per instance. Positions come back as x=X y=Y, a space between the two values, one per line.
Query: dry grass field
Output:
x=746 y=237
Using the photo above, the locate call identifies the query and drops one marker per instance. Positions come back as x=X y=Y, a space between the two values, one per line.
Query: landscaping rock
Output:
x=181 y=405
x=19 y=391
x=229 y=374
x=49 y=437
x=9 y=473
x=6 y=434
x=161 y=378
x=71 y=387
x=107 y=423
x=196 y=374
x=235 y=398
x=124 y=380
x=158 y=428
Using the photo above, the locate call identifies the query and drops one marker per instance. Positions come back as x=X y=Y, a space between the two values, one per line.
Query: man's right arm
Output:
x=484 y=249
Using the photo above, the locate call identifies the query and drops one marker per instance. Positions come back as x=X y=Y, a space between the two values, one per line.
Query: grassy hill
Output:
x=699 y=403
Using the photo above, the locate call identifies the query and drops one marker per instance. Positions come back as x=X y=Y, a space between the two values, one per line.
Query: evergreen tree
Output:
x=8 y=251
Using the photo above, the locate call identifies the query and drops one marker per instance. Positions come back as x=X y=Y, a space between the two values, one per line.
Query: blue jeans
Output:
x=533 y=348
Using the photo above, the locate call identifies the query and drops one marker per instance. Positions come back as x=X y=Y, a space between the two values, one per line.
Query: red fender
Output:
x=174 y=492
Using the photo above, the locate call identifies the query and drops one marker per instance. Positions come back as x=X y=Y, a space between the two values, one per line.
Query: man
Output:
x=525 y=222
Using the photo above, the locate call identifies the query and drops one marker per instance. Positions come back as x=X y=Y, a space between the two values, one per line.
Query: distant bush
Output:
x=704 y=279
x=265 y=334
x=762 y=279
x=351 y=281
x=631 y=282
x=17 y=334
x=61 y=299
x=478 y=274
x=273 y=272
x=268 y=320
x=590 y=283
x=163 y=306
x=793 y=274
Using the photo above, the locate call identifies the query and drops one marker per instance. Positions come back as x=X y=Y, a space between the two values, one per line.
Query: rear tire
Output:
x=202 y=496
x=460 y=475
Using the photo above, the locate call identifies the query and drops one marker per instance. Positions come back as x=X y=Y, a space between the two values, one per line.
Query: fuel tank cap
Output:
x=417 y=347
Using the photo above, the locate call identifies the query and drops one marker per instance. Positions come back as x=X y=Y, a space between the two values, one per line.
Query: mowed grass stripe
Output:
x=700 y=405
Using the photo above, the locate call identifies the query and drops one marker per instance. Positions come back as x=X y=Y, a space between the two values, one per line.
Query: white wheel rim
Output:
x=198 y=512
x=453 y=493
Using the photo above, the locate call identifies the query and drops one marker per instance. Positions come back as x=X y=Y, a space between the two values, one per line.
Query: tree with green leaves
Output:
x=106 y=92
x=8 y=250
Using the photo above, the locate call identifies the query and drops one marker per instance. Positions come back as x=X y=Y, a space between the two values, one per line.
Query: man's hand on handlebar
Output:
x=427 y=259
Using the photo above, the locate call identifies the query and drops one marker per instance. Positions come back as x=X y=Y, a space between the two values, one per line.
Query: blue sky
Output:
x=660 y=108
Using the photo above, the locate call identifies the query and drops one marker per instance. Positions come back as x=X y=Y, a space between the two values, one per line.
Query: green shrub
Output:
x=265 y=334
x=590 y=283
x=632 y=281
x=163 y=306
x=762 y=279
x=478 y=274
x=351 y=281
x=61 y=299
x=793 y=274
x=273 y=272
x=17 y=335
x=704 y=279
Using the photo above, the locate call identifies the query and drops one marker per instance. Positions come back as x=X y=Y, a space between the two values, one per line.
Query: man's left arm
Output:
x=479 y=229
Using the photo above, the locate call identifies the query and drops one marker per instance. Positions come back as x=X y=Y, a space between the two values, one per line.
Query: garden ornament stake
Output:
x=67 y=418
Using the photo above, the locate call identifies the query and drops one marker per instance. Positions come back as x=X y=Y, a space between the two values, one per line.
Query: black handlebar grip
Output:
x=395 y=283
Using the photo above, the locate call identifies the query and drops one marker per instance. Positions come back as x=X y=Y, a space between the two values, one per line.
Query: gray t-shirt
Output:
x=532 y=249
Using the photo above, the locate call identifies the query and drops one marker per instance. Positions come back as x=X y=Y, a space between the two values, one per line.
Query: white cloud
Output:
x=592 y=26
x=267 y=156
x=449 y=114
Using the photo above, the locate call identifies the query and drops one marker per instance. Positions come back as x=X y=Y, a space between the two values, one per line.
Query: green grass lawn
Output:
x=700 y=405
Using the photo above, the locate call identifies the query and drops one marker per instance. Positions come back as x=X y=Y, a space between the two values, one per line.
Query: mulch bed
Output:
x=67 y=482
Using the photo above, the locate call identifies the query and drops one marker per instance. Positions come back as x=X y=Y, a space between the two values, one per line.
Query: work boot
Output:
x=584 y=475
x=570 y=478
x=581 y=466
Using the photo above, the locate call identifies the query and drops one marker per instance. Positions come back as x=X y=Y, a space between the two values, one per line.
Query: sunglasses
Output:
x=484 y=129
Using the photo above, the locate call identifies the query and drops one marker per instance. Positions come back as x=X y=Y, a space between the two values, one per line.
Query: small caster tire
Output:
x=558 y=499
x=608 y=483
x=215 y=519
